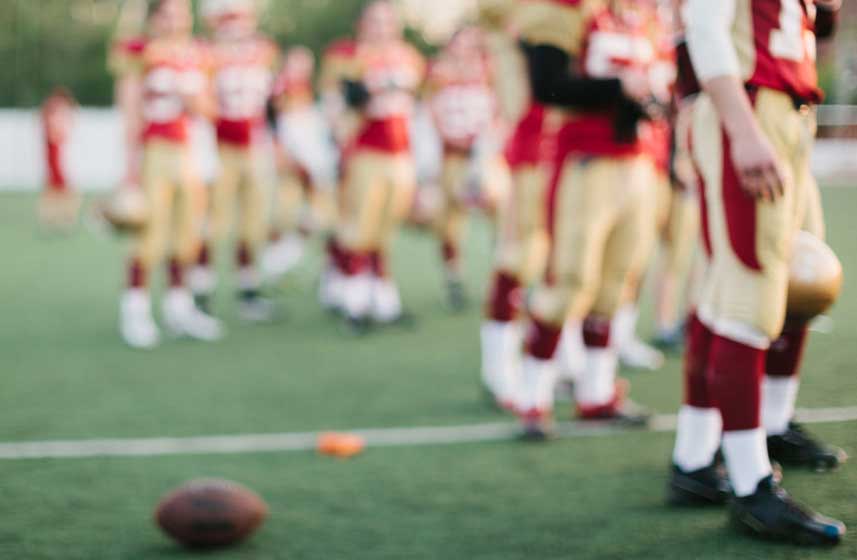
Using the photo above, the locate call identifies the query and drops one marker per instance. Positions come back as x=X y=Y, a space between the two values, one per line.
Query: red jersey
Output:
x=242 y=73
x=610 y=46
x=170 y=73
x=392 y=75
x=781 y=52
x=462 y=101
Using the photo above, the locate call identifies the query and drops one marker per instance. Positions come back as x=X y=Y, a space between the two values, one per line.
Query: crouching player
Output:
x=752 y=140
x=162 y=81
x=474 y=173
x=242 y=68
x=590 y=58
x=379 y=178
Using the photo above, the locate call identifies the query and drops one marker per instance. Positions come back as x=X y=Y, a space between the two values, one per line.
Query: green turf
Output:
x=65 y=374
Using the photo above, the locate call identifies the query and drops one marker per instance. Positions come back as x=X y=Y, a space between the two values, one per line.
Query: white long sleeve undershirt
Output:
x=709 y=38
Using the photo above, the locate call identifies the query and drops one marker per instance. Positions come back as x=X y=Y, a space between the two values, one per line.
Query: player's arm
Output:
x=717 y=67
x=129 y=100
x=826 y=18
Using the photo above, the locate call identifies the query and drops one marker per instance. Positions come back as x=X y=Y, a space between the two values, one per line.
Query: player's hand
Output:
x=756 y=163
x=636 y=86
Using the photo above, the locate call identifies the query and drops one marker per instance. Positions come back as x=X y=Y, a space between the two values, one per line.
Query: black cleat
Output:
x=708 y=486
x=771 y=514
x=797 y=448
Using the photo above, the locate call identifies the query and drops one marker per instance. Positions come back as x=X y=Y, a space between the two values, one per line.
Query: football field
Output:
x=65 y=376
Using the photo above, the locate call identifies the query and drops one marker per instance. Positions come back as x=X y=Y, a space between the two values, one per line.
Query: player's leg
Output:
x=137 y=325
x=789 y=443
x=364 y=198
x=450 y=225
x=750 y=271
x=202 y=277
x=399 y=190
x=680 y=243
x=252 y=230
x=579 y=221
x=286 y=245
x=181 y=314
x=633 y=352
x=520 y=256
x=625 y=255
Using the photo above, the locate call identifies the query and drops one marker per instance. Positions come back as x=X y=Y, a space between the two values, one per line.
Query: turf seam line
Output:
x=306 y=441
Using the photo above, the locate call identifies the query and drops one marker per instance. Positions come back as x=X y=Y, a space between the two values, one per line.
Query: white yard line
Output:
x=386 y=437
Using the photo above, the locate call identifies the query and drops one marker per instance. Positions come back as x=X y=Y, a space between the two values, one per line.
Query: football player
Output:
x=591 y=58
x=59 y=204
x=161 y=83
x=680 y=232
x=474 y=174
x=379 y=179
x=339 y=62
x=633 y=352
x=305 y=161
x=243 y=62
x=752 y=141
x=521 y=237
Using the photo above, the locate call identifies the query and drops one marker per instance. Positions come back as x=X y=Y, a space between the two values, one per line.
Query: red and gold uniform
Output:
x=339 y=62
x=307 y=164
x=464 y=110
x=59 y=204
x=741 y=373
x=171 y=73
x=600 y=208
x=379 y=171
x=750 y=240
x=242 y=77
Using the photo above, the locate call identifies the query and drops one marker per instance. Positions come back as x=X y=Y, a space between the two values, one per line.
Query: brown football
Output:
x=211 y=513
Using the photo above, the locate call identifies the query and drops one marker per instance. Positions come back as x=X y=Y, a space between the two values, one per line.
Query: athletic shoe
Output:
x=708 y=486
x=797 y=448
x=772 y=514
x=136 y=324
x=636 y=354
x=183 y=319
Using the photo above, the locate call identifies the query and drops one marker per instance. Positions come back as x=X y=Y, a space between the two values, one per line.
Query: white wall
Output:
x=95 y=159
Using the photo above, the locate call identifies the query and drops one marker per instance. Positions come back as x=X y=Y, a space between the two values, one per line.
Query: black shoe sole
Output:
x=744 y=526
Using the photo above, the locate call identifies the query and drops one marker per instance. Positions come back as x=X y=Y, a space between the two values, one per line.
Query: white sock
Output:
x=597 y=384
x=779 y=395
x=248 y=279
x=624 y=325
x=501 y=352
x=386 y=301
x=571 y=357
x=746 y=454
x=697 y=437
x=536 y=387
x=357 y=295
x=202 y=279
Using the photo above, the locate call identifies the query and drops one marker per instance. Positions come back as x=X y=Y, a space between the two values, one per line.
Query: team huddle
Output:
x=590 y=132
